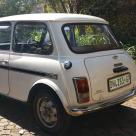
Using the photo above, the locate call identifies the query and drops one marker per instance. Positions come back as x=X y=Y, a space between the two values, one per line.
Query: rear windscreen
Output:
x=85 y=38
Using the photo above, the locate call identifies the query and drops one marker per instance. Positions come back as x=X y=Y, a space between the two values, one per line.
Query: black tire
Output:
x=116 y=106
x=63 y=119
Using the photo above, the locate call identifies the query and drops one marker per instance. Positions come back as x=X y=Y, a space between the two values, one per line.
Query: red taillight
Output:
x=82 y=89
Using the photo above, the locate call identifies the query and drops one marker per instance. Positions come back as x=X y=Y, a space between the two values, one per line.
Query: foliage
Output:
x=122 y=16
x=69 y=6
x=92 y=40
x=12 y=7
x=36 y=36
x=132 y=51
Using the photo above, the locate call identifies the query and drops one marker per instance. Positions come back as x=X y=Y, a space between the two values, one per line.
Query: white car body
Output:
x=21 y=72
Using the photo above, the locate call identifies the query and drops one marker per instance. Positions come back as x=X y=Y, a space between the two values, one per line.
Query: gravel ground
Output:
x=16 y=119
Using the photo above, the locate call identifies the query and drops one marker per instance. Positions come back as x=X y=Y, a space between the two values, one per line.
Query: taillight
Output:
x=82 y=89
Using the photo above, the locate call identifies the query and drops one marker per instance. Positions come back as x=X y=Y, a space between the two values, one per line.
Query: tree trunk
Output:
x=63 y=6
x=70 y=6
x=53 y=5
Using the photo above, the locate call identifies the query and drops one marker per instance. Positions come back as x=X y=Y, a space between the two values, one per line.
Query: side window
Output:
x=5 y=36
x=32 y=38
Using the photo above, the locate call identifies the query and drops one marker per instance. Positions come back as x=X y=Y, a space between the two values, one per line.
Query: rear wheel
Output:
x=50 y=113
x=117 y=106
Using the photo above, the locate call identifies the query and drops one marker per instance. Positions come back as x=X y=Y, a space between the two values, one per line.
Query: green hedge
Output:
x=122 y=17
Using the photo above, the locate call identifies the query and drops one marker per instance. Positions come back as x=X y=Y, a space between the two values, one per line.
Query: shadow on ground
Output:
x=119 y=121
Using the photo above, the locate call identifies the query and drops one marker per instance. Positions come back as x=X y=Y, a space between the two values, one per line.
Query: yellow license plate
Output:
x=119 y=81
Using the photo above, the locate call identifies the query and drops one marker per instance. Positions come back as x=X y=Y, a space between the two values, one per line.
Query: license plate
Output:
x=119 y=81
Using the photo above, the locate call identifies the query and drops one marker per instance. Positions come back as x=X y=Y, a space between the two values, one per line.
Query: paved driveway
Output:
x=16 y=119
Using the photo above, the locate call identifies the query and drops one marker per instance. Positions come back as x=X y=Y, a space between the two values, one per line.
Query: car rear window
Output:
x=86 y=38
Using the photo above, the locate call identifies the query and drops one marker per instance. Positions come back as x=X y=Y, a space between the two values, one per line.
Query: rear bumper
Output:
x=84 y=110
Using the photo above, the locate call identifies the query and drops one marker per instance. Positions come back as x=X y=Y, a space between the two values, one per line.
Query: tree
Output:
x=121 y=14
x=12 y=7
x=66 y=6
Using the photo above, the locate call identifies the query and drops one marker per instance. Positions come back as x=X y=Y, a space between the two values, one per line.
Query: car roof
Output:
x=64 y=17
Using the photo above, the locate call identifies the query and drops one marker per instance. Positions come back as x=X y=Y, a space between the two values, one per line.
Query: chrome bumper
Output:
x=101 y=105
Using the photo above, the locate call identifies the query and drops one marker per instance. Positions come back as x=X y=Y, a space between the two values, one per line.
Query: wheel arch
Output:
x=47 y=84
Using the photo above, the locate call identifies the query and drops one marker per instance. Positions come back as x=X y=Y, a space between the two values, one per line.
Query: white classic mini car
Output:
x=64 y=65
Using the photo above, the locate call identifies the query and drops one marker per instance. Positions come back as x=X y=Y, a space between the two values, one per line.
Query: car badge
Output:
x=115 y=57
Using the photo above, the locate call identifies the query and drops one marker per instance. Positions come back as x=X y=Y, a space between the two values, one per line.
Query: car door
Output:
x=29 y=59
x=5 y=42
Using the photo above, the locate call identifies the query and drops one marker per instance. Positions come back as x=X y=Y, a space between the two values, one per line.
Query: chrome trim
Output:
x=101 y=105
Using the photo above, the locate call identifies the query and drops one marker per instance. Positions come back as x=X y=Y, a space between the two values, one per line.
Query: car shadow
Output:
x=115 y=121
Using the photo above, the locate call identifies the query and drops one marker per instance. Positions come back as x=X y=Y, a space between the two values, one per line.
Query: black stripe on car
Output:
x=44 y=74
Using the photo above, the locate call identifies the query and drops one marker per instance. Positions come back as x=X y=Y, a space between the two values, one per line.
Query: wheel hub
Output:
x=47 y=112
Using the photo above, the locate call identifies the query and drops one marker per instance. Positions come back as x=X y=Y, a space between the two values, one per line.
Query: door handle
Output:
x=120 y=69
